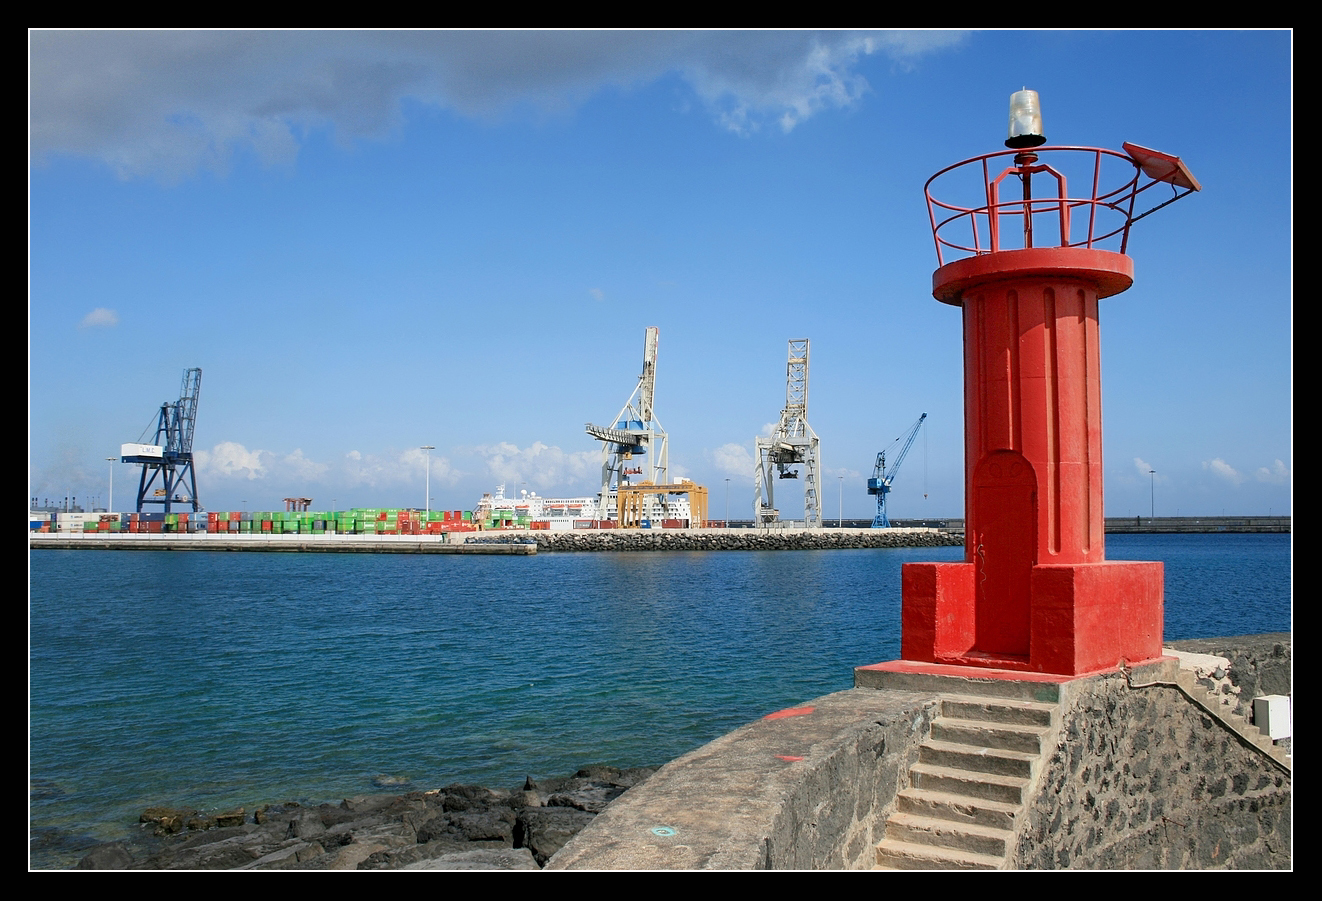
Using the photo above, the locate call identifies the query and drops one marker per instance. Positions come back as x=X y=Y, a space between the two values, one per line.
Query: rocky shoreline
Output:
x=458 y=827
x=725 y=539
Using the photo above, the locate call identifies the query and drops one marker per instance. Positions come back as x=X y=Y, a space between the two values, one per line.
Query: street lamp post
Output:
x=428 y=448
x=110 y=504
x=1152 y=480
x=727 y=503
x=840 y=523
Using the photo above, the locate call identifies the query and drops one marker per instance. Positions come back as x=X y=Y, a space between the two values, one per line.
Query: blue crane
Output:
x=880 y=483
x=171 y=457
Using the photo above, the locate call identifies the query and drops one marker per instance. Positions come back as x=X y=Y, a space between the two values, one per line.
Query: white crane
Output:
x=635 y=432
x=793 y=443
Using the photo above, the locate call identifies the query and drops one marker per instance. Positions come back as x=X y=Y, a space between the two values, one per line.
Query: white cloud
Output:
x=167 y=103
x=1224 y=470
x=541 y=466
x=736 y=459
x=402 y=468
x=301 y=468
x=597 y=294
x=1142 y=466
x=100 y=318
x=230 y=459
x=1277 y=474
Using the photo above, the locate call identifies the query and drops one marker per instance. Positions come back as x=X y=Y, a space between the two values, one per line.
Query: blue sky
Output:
x=376 y=241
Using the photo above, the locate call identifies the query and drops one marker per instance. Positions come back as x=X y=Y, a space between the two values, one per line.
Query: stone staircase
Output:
x=1203 y=678
x=973 y=778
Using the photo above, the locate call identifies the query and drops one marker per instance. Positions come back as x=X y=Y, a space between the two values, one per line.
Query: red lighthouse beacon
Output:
x=1027 y=264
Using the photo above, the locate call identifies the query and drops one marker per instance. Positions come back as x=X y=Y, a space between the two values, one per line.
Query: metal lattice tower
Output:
x=881 y=481
x=171 y=456
x=636 y=431
x=793 y=443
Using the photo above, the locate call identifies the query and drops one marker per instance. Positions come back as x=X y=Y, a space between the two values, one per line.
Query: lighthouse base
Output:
x=1083 y=617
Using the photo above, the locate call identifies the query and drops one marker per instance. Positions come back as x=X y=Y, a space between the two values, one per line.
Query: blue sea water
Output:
x=223 y=679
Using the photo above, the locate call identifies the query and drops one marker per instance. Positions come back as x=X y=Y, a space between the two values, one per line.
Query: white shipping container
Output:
x=152 y=451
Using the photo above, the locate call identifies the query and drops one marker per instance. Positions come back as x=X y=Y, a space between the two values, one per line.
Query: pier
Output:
x=328 y=543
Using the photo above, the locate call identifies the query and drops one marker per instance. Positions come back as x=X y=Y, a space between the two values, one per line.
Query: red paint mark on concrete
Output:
x=789 y=711
x=788 y=758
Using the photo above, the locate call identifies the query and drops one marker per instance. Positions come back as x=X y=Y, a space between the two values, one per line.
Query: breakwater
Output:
x=1178 y=525
x=512 y=542
x=1141 y=768
x=738 y=539
x=324 y=543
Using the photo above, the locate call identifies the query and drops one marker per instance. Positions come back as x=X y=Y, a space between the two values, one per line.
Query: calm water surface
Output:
x=225 y=679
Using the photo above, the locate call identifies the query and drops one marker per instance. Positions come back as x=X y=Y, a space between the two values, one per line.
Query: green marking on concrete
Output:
x=664 y=831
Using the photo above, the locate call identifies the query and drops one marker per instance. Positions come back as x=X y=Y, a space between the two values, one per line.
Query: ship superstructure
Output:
x=530 y=510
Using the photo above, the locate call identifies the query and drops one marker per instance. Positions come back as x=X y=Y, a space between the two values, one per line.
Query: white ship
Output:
x=576 y=512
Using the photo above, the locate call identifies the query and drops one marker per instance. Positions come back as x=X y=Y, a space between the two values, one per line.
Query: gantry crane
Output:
x=636 y=431
x=792 y=443
x=171 y=456
x=880 y=483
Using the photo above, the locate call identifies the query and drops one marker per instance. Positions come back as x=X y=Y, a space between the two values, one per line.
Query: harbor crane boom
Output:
x=170 y=458
x=792 y=443
x=634 y=430
x=880 y=483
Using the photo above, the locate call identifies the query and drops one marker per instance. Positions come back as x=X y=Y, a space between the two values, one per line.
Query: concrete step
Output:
x=954 y=781
x=957 y=808
x=1027 y=713
x=1214 y=703
x=969 y=784
x=984 y=734
x=977 y=759
x=921 y=830
x=896 y=855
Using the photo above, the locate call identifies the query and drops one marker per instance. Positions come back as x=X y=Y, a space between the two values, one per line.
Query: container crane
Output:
x=171 y=456
x=880 y=483
x=792 y=443
x=636 y=431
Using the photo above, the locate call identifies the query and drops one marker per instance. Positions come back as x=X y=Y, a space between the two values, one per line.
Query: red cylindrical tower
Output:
x=1035 y=591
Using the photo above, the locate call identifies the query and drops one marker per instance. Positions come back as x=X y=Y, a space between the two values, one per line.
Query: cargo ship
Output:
x=530 y=511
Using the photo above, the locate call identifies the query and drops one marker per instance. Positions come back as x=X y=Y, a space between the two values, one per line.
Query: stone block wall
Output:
x=1143 y=778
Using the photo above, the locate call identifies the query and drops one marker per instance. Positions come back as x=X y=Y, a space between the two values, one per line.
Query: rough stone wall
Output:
x=1143 y=778
x=835 y=817
x=808 y=788
x=1259 y=664
x=738 y=539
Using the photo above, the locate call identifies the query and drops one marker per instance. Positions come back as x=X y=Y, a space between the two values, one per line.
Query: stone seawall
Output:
x=806 y=788
x=1143 y=769
x=1144 y=779
x=739 y=539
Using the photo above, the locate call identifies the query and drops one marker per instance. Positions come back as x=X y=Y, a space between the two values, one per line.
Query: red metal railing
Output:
x=1050 y=220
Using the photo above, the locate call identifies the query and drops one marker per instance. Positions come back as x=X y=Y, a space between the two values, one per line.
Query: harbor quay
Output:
x=745 y=537
x=508 y=542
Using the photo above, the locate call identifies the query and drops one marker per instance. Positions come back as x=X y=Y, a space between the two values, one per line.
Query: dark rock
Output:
x=457 y=827
x=545 y=830
x=110 y=856
x=305 y=824
x=231 y=818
